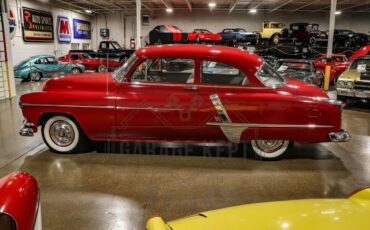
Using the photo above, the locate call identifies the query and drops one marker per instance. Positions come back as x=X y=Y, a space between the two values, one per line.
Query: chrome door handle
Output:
x=191 y=87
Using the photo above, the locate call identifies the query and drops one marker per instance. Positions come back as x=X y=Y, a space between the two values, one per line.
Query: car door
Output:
x=160 y=101
x=224 y=93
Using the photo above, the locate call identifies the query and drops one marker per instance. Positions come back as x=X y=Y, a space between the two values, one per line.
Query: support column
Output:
x=138 y=24
x=333 y=8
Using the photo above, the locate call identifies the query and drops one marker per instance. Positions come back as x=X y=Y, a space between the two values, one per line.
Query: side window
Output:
x=265 y=25
x=75 y=57
x=169 y=70
x=220 y=73
x=50 y=60
x=103 y=45
x=40 y=61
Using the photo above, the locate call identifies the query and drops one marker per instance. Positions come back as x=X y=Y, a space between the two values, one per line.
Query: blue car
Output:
x=236 y=36
x=37 y=67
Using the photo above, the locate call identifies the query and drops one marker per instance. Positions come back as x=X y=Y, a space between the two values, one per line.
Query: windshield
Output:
x=240 y=30
x=269 y=77
x=361 y=65
x=293 y=66
x=202 y=31
x=122 y=71
x=86 y=56
x=116 y=45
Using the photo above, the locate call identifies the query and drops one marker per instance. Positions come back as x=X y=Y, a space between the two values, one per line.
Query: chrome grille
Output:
x=362 y=85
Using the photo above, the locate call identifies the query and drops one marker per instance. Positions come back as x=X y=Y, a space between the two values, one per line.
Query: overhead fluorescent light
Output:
x=338 y=12
x=169 y=10
x=253 y=11
x=88 y=11
x=212 y=4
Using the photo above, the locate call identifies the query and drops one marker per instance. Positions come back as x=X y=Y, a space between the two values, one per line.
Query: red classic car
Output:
x=363 y=51
x=19 y=203
x=183 y=93
x=96 y=64
x=339 y=63
x=203 y=35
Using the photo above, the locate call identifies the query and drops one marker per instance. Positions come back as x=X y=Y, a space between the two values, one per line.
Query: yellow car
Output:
x=272 y=31
x=354 y=83
x=339 y=214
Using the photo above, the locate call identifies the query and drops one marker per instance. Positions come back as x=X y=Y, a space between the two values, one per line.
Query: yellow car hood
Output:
x=351 y=74
x=338 y=214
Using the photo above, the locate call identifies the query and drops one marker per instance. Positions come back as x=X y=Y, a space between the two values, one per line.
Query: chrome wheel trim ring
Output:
x=75 y=71
x=102 y=68
x=35 y=76
x=269 y=148
x=62 y=133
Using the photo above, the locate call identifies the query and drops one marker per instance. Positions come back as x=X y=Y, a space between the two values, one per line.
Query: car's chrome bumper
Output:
x=342 y=136
x=27 y=129
x=353 y=93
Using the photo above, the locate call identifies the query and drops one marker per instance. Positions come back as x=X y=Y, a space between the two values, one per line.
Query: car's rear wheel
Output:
x=63 y=135
x=36 y=76
x=269 y=149
x=275 y=39
x=102 y=68
x=76 y=71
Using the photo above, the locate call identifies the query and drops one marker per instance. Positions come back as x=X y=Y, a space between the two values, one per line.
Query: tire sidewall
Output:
x=102 y=66
x=73 y=69
x=269 y=156
x=49 y=142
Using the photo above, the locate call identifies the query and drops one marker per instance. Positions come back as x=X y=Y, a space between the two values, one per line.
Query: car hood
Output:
x=299 y=214
x=248 y=33
x=80 y=82
x=301 y=88
x=351 y=74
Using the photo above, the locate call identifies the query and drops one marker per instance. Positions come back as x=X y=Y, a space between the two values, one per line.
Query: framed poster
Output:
x=64 y=32
x=37 y=25
x=12 y=23
x=81 y=29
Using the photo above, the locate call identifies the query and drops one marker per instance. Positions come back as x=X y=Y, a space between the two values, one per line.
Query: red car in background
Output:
x=90 y=63
x=339 y=63
x=204 y=35
x=363 y=51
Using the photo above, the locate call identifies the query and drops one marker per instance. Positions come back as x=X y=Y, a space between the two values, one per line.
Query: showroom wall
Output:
x=22 y=49
x=188 y=21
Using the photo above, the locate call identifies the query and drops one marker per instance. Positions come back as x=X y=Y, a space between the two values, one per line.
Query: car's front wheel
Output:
x=36 y=76
x=76 y=71
x=269 y=149
x=63 y=135
x=102 y=68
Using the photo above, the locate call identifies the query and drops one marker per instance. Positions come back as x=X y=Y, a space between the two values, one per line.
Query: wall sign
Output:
x=81 y=29
x=12 y=23
x=37 y=25
x=64 y=30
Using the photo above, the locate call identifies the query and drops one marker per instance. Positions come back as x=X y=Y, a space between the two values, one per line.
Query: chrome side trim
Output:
x=67 y=106
x=256 y=125
x=342 y=136
x=233 y=131
x=99 y=107
x=149 y=108
x=220 y=109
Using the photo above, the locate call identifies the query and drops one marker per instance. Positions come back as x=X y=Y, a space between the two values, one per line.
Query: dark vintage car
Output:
x=305 y=33
x=238 y=36
x=219 y=95
x=300 y=69
x=348 y=38
x=167 y=34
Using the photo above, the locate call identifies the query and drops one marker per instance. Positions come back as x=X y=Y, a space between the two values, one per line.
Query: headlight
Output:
x=340 y=84
x=349 y=84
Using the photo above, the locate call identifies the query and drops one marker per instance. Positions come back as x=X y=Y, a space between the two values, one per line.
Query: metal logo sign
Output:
x=37 y=25
x=64 y=30
x=81 y=29
x=12 y=23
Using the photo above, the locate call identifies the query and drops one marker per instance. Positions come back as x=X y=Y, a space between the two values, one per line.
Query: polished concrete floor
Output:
x=120 y=186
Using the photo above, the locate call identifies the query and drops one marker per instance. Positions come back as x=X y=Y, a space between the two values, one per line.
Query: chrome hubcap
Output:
x=35 y=76
x=269 y=146
x=102 y=68
x=62 y=133
x=75 y=71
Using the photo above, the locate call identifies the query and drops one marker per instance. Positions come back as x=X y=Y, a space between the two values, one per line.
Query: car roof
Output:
x=42 y=56
x=227 y=54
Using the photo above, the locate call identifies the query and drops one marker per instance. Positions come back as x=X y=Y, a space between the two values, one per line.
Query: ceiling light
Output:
x=169 y=10
x=212 y=4
x=338 y=12
x=253 y=11
x=88 y=11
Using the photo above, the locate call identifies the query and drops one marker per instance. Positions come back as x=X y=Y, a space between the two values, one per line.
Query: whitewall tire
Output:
x=62 y=134
x=269 y=149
